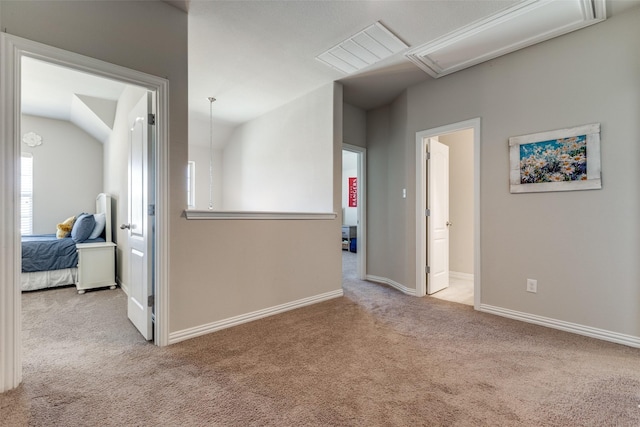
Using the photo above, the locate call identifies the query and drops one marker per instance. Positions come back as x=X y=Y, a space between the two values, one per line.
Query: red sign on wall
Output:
x=353 y=192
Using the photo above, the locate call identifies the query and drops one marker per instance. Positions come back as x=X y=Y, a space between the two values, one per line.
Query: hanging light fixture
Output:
x=211 y=101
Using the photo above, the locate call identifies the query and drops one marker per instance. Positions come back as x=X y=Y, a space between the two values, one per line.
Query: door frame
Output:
x=421 y=203
x=12 y=49
x=361 y=252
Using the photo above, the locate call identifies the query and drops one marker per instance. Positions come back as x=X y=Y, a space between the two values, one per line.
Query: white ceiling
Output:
x=254 y=56
x=61 y=93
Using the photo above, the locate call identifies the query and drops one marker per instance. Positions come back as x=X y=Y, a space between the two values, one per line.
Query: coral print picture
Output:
x=561 y=160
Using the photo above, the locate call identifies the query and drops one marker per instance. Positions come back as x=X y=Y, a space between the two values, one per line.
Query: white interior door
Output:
x=140 y=226
x=438 y=220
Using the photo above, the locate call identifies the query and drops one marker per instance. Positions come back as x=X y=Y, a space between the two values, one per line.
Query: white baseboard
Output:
x=461 y=276
x=575 y=328
x=123 y=286
x=196 y=331
x=391 y=283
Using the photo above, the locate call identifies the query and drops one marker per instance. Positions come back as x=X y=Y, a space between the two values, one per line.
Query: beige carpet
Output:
x=372 y=358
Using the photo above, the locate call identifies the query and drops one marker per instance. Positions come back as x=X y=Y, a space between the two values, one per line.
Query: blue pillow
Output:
x=101 y=221
x=83 y=227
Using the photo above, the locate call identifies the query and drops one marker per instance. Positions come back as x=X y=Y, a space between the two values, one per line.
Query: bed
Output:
x=49 y=261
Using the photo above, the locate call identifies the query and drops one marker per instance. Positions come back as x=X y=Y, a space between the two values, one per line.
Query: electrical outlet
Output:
x=532 y=285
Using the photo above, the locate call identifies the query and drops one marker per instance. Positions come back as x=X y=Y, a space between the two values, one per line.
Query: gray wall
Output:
x=67 y=171
x=354 y=125
x=391 y=235
x=234 y=267
x=581 y=246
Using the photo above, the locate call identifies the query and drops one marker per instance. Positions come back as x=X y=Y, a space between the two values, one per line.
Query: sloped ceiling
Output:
x=60 y=93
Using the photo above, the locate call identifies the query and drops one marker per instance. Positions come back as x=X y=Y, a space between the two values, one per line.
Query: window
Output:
x=26 y=194
x=191 y=185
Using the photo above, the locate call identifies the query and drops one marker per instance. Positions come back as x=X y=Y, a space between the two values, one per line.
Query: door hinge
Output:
x=152 y=119
x=428 y=156
x=428 y=269
x=427 y=212
x=150 y=301
x=151 y=210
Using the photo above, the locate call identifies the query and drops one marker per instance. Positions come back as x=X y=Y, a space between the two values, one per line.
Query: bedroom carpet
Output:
x=374 y=357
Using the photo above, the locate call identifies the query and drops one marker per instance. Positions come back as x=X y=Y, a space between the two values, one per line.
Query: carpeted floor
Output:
x=375 y=357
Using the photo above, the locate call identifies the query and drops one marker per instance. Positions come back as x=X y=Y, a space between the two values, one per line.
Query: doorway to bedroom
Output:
x=75 y=146
x=13 y=50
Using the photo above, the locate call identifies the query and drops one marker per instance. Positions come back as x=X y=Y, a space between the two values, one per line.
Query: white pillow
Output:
x=101 y=220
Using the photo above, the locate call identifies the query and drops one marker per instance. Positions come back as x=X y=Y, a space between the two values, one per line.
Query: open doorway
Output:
x=353 y=211
x=14 y=50
x=81 y=121
x=460 y=222
x=448 y=200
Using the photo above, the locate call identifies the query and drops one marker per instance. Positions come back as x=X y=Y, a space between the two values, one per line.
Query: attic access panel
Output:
x=369 y=46
x=514 y=28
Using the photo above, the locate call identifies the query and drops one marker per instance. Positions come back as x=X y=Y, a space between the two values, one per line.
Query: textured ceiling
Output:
x=254 y=56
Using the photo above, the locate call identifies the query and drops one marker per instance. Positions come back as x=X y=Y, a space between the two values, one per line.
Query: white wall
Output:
x=460 y=200
x=200 y=155
x=67 y=171
x=581 y=246
x=349 y=169
x=283 y=160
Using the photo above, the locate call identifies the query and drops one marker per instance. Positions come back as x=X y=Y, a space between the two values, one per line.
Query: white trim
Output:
x=191 y=184
x=197 y=214
x=12 y=49
x=602 y=334
x=391 y=283
x=362 y=209
x=122 y=286
x=10 y=296
x=421 y=204
x=208 y=328
x=514 y=26
x=461 y=276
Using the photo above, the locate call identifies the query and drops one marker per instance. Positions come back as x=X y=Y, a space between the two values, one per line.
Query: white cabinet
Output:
x=96 y=266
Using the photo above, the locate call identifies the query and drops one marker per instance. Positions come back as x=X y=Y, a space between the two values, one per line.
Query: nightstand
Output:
x=96 y=266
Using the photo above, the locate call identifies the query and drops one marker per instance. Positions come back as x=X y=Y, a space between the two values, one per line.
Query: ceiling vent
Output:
x=371 y=45
x=525 y=24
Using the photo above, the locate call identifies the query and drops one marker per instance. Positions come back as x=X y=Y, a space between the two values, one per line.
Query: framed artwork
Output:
x=558 y=160
x=353 y=192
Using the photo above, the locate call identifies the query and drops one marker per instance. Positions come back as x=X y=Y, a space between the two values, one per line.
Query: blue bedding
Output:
x=42 y=252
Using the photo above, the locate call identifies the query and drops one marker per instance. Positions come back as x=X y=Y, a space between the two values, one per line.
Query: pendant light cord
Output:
x=211 y=101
